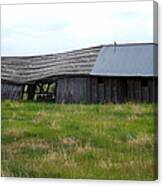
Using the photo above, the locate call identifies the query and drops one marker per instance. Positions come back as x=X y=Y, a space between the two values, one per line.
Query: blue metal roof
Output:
x=127 y=60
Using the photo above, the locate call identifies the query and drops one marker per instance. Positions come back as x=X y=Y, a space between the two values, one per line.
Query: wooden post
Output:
x=47 y=90
x=31 y=92
x=22 y=93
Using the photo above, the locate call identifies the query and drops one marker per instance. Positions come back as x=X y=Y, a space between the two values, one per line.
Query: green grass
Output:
x=79 y=141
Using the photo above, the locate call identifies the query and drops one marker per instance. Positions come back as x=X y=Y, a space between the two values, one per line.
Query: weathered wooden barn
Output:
x=109 y=73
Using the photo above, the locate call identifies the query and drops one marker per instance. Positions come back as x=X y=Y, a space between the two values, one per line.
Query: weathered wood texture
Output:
x=72 y=90
x=106 y=89
x=137 y=90
x=119 y=90
x=101 y=93
x=94 y=90
x=10 y=91
x=87 y=89
x=27 y=69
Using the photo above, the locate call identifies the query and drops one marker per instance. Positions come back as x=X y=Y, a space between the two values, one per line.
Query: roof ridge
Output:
x=131 y=44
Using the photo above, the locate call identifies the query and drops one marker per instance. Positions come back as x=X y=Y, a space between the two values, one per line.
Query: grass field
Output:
x=78 y=141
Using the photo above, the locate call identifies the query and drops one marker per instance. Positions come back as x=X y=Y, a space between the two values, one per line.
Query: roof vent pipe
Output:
x=115 y=44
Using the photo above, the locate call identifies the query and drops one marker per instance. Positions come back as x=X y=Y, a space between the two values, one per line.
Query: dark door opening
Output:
x=40 y=91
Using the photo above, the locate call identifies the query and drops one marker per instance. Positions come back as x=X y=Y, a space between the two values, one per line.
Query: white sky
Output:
x=52 y=28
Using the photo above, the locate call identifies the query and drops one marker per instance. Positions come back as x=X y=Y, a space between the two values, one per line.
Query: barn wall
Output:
x=120 y=90
x=106 y=89
x=94 y=90
x=73 y=90
x=11 y=91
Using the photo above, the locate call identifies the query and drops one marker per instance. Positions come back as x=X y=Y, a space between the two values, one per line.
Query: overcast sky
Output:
x=52 y=28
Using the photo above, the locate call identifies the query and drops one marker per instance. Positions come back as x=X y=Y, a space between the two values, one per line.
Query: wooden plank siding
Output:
x=88 y=89
x=145 y=94
x=105 y=90
x=101 y=93
x=11 y=91
x=72 y=90
x=108 y=91
x=114 y=90
x=151 y=90
x=120 y=90
x=137 y=88
x=92 y=89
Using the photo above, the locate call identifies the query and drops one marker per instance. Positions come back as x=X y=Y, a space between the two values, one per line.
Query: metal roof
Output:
x=127 y=60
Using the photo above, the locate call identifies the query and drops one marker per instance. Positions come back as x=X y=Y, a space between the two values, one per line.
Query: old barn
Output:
x=108 y=73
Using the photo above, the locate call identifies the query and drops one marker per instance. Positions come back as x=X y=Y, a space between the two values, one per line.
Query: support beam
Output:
x=31 y=92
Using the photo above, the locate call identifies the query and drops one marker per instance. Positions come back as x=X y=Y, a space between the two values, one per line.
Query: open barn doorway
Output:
x=40 y=91
x=45 y=92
